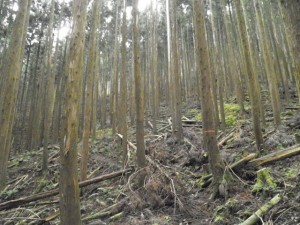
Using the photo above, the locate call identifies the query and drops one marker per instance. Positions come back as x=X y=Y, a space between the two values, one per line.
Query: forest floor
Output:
x=175 y=189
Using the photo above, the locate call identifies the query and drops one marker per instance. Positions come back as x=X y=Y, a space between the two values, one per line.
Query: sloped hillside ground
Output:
x=175 y=190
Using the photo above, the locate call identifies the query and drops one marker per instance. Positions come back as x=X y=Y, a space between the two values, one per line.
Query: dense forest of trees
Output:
x=70 y=69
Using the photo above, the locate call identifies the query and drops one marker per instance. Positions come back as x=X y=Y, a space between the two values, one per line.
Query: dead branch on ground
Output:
x=21 y=201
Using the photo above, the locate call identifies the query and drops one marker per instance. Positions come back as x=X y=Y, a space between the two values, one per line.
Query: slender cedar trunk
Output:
x=209 y=131
x=24 y=87
x=63 y=112
x=132 y=97
x=145 y=65
x=23 y=93
x=96 y=88
x=37 y=118
x=221 y=81
x=59 y=95
x=239 y=60
x=251 y=77
x=49 y=92
x=123 y=85
x=289 y=11
x=214 y=58
x=12 y=68
x=234 y=67
x=104 y=92
x=171 y=98
x=115 y=79
x=154 y=69
x=176 y=74
x=288 y=49
x=89 y=92
x=139 y=100
x=269 y=65
x=33 y=91
x=69 y=188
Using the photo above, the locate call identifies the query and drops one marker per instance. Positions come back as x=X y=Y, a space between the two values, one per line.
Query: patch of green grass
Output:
x=9 y=193
x=44 y=184
x=220 y=214
x=231 y=114
x=104 y=132
x=290 y=173
x=195 y=114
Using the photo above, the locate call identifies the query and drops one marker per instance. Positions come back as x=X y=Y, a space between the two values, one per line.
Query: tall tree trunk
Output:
x=269 y=65
x=139 y=99
x=209 y=127
x=11 y=66
x=251 y=77
x=69 y=188
x=50 y=92
x=123 y=85
x=154 y=69
x=89 y=91
x=115 y=79
x=170 y=79
x=175 y=73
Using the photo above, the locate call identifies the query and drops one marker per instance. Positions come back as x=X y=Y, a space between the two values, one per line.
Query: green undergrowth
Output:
x=44 y=184
x=264 y=181
x=291 y=173
x=231 y=114
x=223 y=212
x=194 y=114
x=103 y=132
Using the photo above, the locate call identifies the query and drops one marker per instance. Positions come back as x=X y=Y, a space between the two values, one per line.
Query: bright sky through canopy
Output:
x=143 y=5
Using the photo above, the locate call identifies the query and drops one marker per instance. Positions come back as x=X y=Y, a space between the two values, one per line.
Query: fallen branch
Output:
x=189 y=143
x=176 y=198
x=21 y=201
x=150 y=124
x=128 y=142
x=262 y=211
x=192 y=125
x=225 y=139
x=292 y=107
x=276 y=156
x=113 y=209
x=163 y=128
